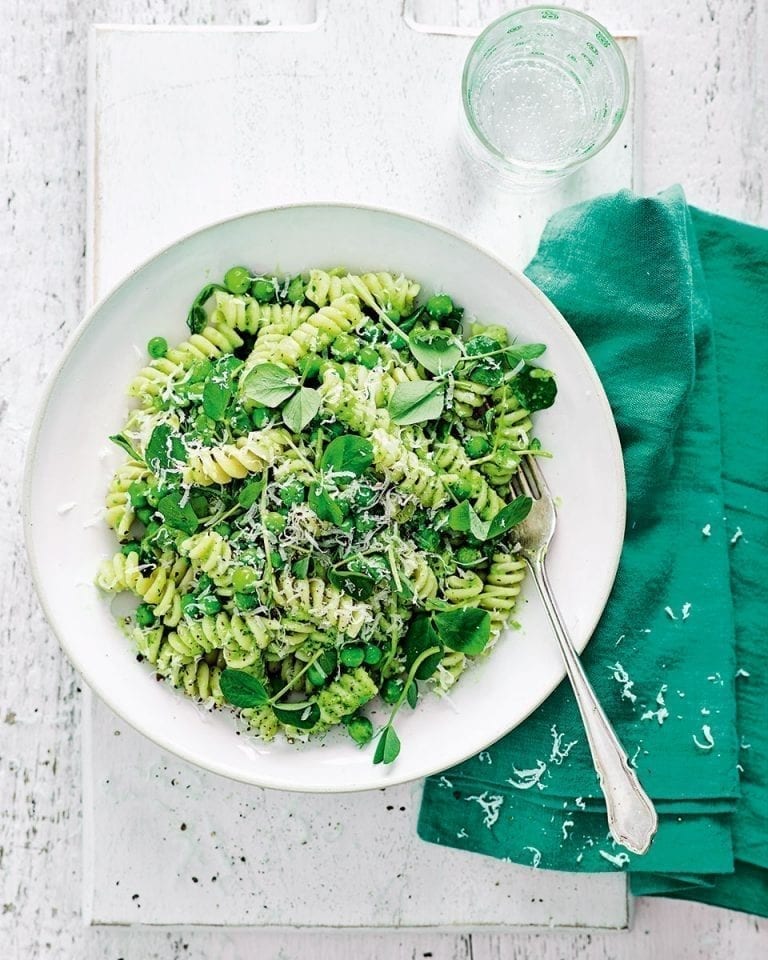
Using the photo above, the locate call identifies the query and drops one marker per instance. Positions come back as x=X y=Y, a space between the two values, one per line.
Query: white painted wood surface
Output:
x=704 y=92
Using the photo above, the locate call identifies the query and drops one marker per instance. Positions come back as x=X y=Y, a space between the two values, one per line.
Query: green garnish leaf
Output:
x=416 y=401
x=269 y=383
x=509 y=516
x=324 y=505
x=301 y=409
x=388 y=747
x=348 y=457
x=177 y=516
x=412 y=694
x=216 y=397
x=357 y=585
x=122 y=441
x=534 y=388
x=303 y=715
x=435 y=350
x=251 y=493
x=466 y=629
x=420 y=637
x=463 y=519
x=242 y=690
x=524 y=351
x=164 y=450
x=300 y=569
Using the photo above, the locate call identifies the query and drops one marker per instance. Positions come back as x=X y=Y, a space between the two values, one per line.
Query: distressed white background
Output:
x=704 y=106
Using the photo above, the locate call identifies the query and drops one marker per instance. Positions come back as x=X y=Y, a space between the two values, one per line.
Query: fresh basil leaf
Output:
x=357 y=585
x=303 y=716
x=388 y=747
x=216 y=397
x=524 y=351
x=165 y=451
x=421 y=636
x=510 y=516
x=197 y=318
x=122 y=441
x=534 y=388
x=269 y=383
x=348 y=456
x=412 y=694
x=463 y=519
x=466 y=629
x=251 y=493
x=435 y=350
x=242 y=690
x=324 y=505
x=301 y=409
x=180 y=518
x=416 y=401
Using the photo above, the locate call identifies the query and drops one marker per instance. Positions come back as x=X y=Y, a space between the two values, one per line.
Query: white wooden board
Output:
x=187 y=126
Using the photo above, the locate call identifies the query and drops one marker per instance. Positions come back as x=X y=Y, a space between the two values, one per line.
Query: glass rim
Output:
x=486 y=143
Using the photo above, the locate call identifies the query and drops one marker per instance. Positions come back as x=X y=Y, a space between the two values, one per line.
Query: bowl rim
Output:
x=93 y=682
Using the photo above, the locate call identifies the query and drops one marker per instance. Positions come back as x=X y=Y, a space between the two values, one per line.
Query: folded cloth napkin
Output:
x=672 y=305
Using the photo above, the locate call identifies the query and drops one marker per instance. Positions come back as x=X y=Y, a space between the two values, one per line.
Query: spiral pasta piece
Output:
x=418 y=573
x=353 y=400
x=501 y=589
x=345 y=695
x=385 y=291
x=404 y=468
x=210 y=552
x=318 y=331
x=120 y=513
x=262 y=721
x=450 y=458
x=451 y=666
x=322 y=603
x=234 y=461
x=463 y=588
x=469 y=397
x=265 y=319
x=159 y=585
x=325 y=286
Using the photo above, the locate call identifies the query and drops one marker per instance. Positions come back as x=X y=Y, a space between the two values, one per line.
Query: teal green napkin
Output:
x=672 y=306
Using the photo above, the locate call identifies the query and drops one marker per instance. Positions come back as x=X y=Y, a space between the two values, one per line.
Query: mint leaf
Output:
x=349 y=456
x=412 y=694
x=534 y=388
x=357 y=585
x=421 y=636
x=251 y=493
x=124 y=443
x=180 y=518
x=269 y=383
x=164 y=450
x=388 y=747
x=216 y=397
x=303 y=716
x=463 y=519
x=242 y=690
x=510 y=516
x=416 y=401
x=524 y=351
x=435 y=350
x=324 y=505
x=301 y=409
x=466 y=629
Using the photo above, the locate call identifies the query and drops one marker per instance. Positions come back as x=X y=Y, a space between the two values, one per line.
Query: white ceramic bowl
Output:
x=70 y=462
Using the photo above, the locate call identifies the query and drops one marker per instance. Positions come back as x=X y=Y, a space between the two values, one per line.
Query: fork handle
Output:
x=632 y=818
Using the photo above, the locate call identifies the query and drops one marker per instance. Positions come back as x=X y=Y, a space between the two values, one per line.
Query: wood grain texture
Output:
x=702 y=72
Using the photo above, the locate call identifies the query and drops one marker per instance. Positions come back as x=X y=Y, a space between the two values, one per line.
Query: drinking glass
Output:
x=544 y=89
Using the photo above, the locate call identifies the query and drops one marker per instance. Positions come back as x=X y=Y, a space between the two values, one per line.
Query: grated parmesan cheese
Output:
x=559 y=753
x=536 y=856
x=490 y=806
x=617 y=859
x=621 y=676
x=529 y=778
x=707 y=530
x=708 y=738
x=662 y=713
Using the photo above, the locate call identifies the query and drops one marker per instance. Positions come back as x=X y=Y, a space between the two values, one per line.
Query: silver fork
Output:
x=632 y=818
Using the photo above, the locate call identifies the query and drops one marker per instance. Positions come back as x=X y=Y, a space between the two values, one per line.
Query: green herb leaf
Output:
x=348 y=457
x=534 y=388
x=197 y=317
x=301 y=568
x=269 y=383
x=177 y=516
x=164 y=450
x=416 y=401
x=524 y=351
x=216 y=397
x=122 y=441
x=251 y=493
x=324 y=505
x=301 y=409
x=510 y=516
x=463 y=519
x=466 y=629
x=303 y=716
x=242 y=690
x=435 y=350
x=421 y=636
x=412 y=694
x=357 y=585
x=388 y=747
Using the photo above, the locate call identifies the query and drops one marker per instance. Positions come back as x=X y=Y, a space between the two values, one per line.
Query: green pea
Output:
x=260 y=417
x=145 y=514
x=244 y=579
x=344 y=347
x=365 y=523
x=223 y=529
x=274 y=522
x=468 y=557
x=189 y=605
x=200 y=370
x=369 y=333
x=369 y=357
x=461 y=488
x=373 y=654
x=237 y=279
x=246 y=601
x=481 y=345
x=263 y=290
x=292 y=493
x=364 y=495
x=296 y=290
x=210 y=604
x=322 y=668
x=132 y=547
x=428 y=539
x=157 y=347
x=439 y=306
x=352 y=656
x=315 y=676
x=145 y=615
x=347 y=525
x=137 y=493
x=489 y=373
x=310 y=365
x=276 y=560
x=397 y=341
x=476 y=446
x=392 y=691
x=360 y=729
